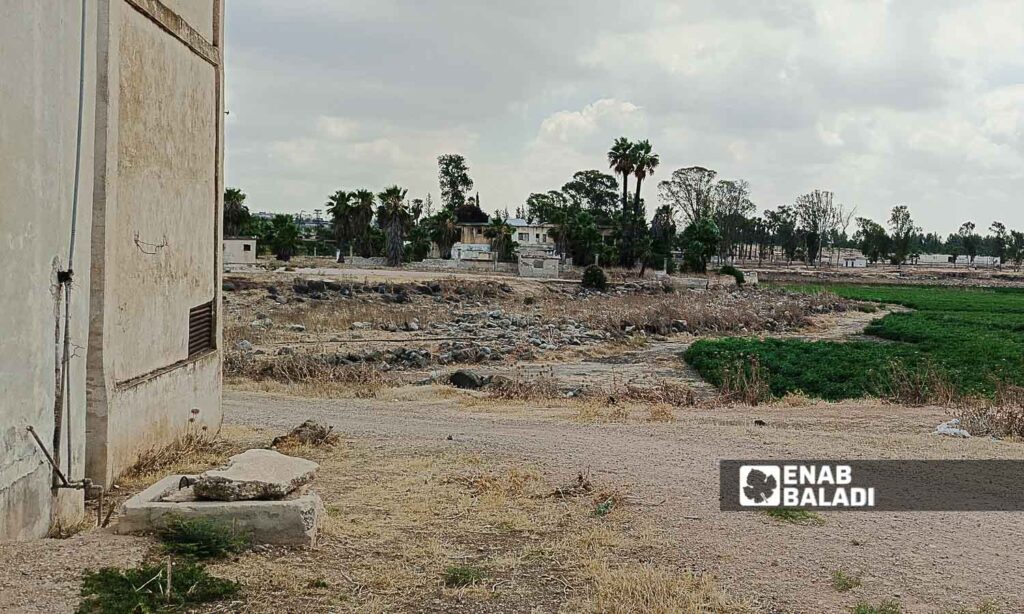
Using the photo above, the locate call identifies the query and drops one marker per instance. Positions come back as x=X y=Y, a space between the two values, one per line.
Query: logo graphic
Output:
x=759 y=485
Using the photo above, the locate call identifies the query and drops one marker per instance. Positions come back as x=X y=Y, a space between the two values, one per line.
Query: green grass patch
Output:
x=462 y=575
x=842 y=581
x=971 y=337
x=889 y=606
x=793 y=516
x=144 y=589
x=202 y=538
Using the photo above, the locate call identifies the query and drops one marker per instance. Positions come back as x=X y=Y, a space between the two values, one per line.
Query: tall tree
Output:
x=902 y=230
x=236 y=214
x=595 y=192
x=645 y=161
x=872 y=239
x=732 y=207
x=1000 y=239
x=453 y=175
x=499 y=232
x=969 y=240
x=444 y=231
x=360 y=217
x=284 y=237
x=818 y=215
x=1015 y=249
x=339 y=208
x=622 y=159
x=394 y=219
x=690 y=191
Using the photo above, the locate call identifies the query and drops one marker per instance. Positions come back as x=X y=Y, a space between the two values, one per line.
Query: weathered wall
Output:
x=235 y=252
x=157 y=213
x=39 y=77
x=538 y=266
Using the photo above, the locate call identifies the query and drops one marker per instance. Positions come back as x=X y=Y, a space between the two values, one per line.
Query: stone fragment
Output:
x=255 y=474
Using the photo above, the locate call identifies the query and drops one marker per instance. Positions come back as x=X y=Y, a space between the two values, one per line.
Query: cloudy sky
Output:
x=919 y=102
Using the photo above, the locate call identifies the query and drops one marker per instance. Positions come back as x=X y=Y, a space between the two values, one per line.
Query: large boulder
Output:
x=464 y=378
x=255 y=474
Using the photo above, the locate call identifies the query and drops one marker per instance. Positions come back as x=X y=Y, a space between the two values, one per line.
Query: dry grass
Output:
x=400 y=521
x=305 y=375
x=1001 y=416
x=195 y=451
x=745 y=383
x=922 y=385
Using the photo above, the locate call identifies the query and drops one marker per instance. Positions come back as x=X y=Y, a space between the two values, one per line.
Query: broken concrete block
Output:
x=255 y=474
x=293 y=521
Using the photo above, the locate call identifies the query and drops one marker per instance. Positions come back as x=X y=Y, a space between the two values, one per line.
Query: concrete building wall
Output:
x=147 y=239
x=158 y=239
x=239 y=251
x=538 y=265
x=39 y=73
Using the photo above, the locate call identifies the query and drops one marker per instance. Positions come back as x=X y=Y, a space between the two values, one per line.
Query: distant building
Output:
x=855 y=262
x=239 y=250
x=532 y=236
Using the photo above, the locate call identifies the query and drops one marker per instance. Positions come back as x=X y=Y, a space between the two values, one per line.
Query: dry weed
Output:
x=1002 y=416
x=745 y=383
x=308 y=374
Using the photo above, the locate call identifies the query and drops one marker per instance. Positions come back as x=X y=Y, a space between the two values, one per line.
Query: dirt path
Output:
x=929 y=561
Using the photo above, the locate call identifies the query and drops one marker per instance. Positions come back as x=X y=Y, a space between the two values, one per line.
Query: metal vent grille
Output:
x=200 y=329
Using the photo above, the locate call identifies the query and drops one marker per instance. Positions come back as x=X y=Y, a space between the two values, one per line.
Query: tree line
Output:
x=596 y=218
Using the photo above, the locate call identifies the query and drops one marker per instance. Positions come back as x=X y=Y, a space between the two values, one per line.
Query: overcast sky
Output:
x=882 y=102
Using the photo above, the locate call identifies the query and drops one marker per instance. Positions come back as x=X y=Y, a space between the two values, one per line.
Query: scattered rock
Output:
x=466 y=379
x=227 y=286
x=310 y=433
x=951 y=428
x=244 y=345
x=255 y=474
x=298 y=328
x=262 y=323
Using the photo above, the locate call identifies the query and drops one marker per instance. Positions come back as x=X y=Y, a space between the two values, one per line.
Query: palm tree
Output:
x=500 y=233
x=236 y=214
x=444 y=231
x=339 y=207
x=621 y=160
x=284 y=237
x=644 y=162
x=393 y=217
x=360 y=217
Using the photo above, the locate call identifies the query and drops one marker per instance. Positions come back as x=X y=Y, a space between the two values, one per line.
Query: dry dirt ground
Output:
x=428 y=476
x=930 y=562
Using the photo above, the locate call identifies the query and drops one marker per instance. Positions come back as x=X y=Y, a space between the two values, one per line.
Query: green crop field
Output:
x=972 y=336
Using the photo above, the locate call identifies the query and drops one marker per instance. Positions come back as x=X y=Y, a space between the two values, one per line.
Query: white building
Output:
x=239 y=250
x=532 y=236
x=855 y=262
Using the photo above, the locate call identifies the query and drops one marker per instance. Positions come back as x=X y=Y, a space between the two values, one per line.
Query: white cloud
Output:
x=914 y=101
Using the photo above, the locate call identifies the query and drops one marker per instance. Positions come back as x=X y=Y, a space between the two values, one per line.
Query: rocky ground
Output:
x=418 y=326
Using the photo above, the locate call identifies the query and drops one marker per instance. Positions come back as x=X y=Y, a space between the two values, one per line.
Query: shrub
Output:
x=594 y=278
x=458 y=576
x=885 y=607
x=202 y=538
x=794 y=516
x=842 y=581
x=144 y=589
x=731 y=270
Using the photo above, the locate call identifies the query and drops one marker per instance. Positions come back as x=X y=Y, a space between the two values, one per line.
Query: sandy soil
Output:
x=931 y=562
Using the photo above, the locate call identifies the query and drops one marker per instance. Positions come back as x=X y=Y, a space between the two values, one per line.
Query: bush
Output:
x=144 y=589
x=458 y=576
x=202 y=538
x=731 y=270
x=594 y=278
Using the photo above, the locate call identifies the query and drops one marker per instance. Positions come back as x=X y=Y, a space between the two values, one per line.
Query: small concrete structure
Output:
x=540 y=265
x=262 y=492
x=293 y=521
x=854 y=262
x=239 y=250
